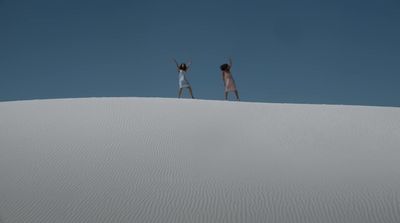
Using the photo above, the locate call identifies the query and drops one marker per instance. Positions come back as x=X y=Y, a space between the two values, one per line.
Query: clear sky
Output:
x=329 y=52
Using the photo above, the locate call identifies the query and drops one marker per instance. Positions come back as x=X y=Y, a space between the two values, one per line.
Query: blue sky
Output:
x=329 y=52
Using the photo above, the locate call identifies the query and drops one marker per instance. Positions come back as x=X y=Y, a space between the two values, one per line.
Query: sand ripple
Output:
x=163 y=160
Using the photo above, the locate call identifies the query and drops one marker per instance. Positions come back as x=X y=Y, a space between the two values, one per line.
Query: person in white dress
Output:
x=183 y=81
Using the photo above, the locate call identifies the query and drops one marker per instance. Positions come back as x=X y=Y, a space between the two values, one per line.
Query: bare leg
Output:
x=191 y=92
x=180 y=92
x=226 y=95
x=237 y=95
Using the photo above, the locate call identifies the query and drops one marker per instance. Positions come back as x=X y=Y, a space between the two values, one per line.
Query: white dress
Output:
x=183 y=82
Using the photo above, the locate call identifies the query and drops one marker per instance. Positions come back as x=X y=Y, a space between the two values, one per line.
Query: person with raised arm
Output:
x=182 y=79
x=229 y=82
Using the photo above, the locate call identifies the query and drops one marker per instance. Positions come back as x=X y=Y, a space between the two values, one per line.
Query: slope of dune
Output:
x=188 y=161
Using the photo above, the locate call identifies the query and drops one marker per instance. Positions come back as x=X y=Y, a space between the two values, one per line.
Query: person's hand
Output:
x=176 y=62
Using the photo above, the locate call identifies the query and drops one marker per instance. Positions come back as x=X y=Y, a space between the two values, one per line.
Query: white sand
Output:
x=182 y=161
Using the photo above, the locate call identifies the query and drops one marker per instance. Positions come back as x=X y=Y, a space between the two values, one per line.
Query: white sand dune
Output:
x=183 y=161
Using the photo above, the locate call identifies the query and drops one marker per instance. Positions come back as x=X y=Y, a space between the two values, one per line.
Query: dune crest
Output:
x=168 y=160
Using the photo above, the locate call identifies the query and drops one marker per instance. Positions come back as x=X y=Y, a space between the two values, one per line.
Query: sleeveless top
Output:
x=183 y=82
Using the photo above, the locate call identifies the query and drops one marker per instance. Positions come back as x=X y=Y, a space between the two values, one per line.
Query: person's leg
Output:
x=180 y=92
x=191 y=92
x=237 y=95
x=226 y=95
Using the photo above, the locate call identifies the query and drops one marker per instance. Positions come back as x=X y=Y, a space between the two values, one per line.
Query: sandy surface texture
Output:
x=153 y=160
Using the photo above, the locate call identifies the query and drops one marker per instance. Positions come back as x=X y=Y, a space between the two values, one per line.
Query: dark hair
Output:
x=224 y=67
x=183 y=67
